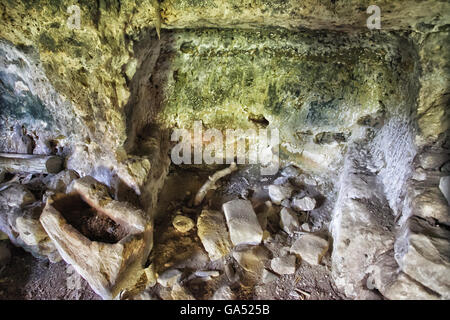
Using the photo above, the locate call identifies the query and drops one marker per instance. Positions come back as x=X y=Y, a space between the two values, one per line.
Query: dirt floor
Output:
x=28 y=278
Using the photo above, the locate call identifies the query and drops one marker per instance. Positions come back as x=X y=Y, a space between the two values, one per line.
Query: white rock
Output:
x=182 y=223
x=283 y=265
x=310 y=248
x=303 y=204
x=242 y=222
x=268 y=276
x=424 y=255
x=289 y=221
x=278 y=193
x=169 y=277
x=223 y=293
x=213 y=233
x=291 y=171
x=306 y=227
x=444 y=185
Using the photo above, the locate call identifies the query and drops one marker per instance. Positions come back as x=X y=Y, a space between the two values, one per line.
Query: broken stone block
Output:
x=268 y=276
x=182 y=223
x=106 y=241
x=310 y=248
x=278 y=193
x=223 y=293
x=303 y=204
x=253 y=259
x=242 y=222
x=444 y=186
x=289 y=221
x=283 y=265
x=422 y=252
x=291 y=172
x=169 y=277
x=213 y=233
x=430 y=203
x=16 y=196
x=59 y=182
x=19 y=219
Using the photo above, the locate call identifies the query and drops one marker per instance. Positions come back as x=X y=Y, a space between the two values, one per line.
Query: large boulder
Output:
x=106 y=241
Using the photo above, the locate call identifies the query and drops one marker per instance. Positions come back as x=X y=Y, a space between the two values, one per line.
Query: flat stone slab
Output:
x=242 y=222
x=213 y=233
x=283 y=265
x=310 y=248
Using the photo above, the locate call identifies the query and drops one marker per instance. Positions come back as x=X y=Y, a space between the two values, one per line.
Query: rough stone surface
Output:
x=268 y=277
x=242 y=222
x=310 y=248
x=107 y=267
x=405 y=288
x=213 y=233
x=289 y=221
x=278 y=193
x=423 y=254
x=19 y=220
x=60 y=181
x=303 y=204
x=283 y=265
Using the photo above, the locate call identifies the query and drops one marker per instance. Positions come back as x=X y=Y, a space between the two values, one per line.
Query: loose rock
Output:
x=303 y=204
x=288 y=221
x=268 y=276
x=278 y=193
x=213 y=233
x=310 y=248
x=242 y=222
x=283 y=265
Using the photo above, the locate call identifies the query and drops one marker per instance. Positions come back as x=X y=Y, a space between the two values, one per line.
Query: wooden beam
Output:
x=31 y=163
